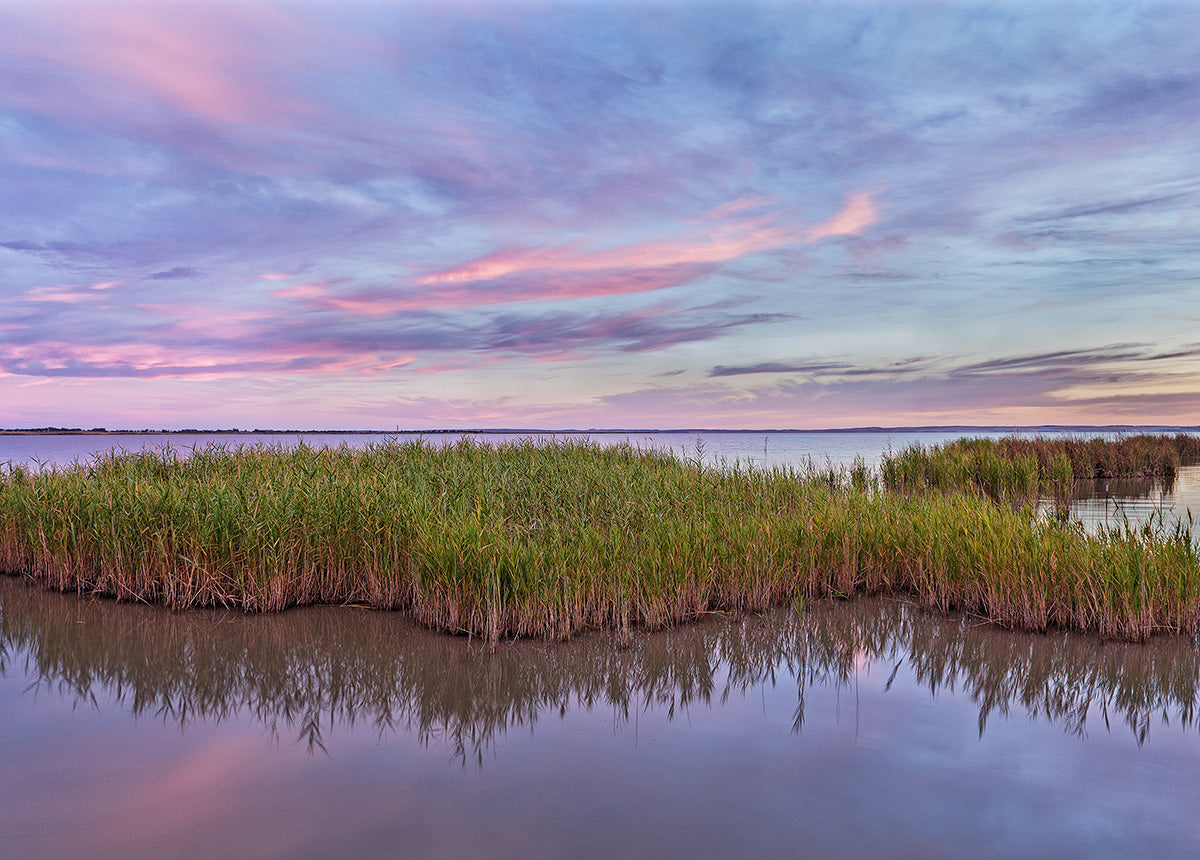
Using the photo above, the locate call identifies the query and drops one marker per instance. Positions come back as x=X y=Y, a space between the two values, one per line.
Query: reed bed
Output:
x=1018 y=469
x=547 y=539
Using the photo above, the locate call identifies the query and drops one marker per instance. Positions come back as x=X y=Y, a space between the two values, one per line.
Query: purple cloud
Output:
x=174 y=273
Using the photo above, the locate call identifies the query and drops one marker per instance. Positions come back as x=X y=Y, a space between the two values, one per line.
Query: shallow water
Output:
x=1112 y=503
x=864 y=728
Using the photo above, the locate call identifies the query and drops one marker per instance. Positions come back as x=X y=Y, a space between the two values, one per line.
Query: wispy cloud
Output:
x=935 y=211
x=777 y=367
x=127 y=60
x=174 y=273
x=1097 y=360
x=723 y=241
x=537 y=286
x=914 y=365
x=187 y=341
x=1115 y=207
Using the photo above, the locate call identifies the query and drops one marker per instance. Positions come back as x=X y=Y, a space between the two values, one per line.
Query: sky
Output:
x=398 y=215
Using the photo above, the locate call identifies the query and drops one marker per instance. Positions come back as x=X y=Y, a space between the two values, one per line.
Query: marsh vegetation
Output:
x=549 y=538
x=1017 y=468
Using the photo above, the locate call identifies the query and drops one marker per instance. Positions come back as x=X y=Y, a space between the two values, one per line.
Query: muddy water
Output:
x=864 y=728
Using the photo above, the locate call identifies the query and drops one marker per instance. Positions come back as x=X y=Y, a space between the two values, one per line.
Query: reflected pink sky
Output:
x=149 y=733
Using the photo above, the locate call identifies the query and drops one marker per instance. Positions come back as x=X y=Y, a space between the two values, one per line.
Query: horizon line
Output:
x=920 y=428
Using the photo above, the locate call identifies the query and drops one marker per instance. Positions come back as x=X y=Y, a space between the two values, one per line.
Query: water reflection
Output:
x=306 y=671
x=1114 y=502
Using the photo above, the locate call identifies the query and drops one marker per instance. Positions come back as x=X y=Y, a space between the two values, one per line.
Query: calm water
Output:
x=861 y=729
x=770 y=448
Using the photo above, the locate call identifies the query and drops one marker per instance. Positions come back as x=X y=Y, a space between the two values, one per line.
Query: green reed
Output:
x=546 y=539
x=1018 y=469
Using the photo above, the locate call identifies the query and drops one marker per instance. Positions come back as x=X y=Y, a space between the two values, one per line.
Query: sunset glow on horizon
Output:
x=386 y=215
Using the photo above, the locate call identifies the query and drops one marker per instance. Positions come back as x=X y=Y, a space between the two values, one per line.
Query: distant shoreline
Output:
x=542 y=431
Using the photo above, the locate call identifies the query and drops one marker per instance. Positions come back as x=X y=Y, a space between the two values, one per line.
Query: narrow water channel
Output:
x=1111 y=503
x=851 y=729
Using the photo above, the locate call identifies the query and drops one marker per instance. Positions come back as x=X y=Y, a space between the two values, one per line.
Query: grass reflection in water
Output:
x=304 y=671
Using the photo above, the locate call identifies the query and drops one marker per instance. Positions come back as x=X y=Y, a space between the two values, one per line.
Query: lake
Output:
x=771 y=448
x=854 y=729
x=851 y=729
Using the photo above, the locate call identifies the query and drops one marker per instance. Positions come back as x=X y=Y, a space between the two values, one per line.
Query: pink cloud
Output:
x=301 y=291
x=149 y=360
x=189 y=63
x=196 y=319
x=573 y=271
x=62 y=295
x=59 y=354
x=368 y=363
x=859 y=213
x=536 y=286
x=714 y=247
x=742 y=204
x=727 y=240
x=206 y=60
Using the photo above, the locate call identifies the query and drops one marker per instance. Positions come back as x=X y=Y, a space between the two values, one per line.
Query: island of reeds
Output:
x=549 y=538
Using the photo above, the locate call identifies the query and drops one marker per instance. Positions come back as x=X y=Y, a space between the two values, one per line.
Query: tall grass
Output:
x=546 y=539
x=1017 y=469
x=1142 y=455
